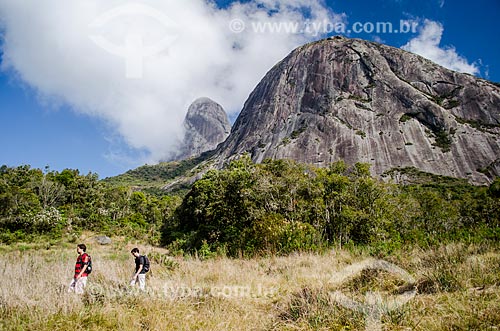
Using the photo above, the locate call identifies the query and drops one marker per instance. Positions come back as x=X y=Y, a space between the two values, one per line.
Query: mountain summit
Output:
x=206 y=125
x=361 y=101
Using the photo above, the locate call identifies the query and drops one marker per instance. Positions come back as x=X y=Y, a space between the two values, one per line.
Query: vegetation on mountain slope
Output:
x=278 y=206
x=152 y=178
x=281 y=206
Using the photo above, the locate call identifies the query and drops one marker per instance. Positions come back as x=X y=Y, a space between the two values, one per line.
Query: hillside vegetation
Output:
x=282 y=206
x=274 y=207
x=152 y=178
x=51 y=206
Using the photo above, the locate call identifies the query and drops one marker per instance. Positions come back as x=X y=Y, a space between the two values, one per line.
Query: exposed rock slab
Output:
x=365 y=102
x=206 y=125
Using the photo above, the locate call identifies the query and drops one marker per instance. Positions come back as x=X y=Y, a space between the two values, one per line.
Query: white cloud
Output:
x=49 y=47
x=427 y=44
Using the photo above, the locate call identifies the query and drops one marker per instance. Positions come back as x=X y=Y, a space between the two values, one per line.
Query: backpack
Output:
x=146 y=264
x=88 y=271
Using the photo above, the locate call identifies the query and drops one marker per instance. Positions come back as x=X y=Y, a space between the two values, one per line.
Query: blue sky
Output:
x=45 y=121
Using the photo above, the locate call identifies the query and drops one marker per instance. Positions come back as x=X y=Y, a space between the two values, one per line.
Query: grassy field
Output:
x=457 y=289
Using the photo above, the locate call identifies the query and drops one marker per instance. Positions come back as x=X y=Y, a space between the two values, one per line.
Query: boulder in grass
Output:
x=103 y=240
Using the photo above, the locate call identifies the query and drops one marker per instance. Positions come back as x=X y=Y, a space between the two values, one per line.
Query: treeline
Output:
x=281 y=206
x=53 y=204
x=245 y=209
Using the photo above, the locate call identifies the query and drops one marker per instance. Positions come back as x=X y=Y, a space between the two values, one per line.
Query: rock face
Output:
x=206 y=125
x=365 y=102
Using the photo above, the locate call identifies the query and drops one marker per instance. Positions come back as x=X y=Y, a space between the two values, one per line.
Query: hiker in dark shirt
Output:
x=140 y=269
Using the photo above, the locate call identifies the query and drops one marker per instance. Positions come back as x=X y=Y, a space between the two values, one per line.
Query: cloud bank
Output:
x=427 y=44
x=138 y=65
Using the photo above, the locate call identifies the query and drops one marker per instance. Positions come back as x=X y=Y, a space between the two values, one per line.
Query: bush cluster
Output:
x=50 y=203
x=281 y=206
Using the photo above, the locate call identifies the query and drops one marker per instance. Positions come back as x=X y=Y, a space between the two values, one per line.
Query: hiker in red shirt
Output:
x=82 y=264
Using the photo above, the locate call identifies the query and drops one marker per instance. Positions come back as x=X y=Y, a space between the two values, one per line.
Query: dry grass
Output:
x=458 y=290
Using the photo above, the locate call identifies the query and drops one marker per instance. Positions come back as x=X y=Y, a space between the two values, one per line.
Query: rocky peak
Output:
x=206 y=125
x=361 y=101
